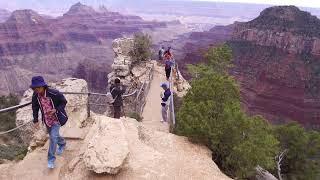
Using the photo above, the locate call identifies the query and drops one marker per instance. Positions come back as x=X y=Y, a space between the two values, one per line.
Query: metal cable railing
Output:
x=75 y=93
x=140 y=99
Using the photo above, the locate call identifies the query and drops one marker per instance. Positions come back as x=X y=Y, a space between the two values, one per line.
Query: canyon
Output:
x=276 y=62
x=77 y=44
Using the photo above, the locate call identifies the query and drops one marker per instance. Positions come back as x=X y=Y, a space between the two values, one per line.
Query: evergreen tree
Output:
x=211 y=114
x=302 y=160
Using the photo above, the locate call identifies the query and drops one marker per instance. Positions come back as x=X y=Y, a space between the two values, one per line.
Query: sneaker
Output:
x=61 y=149
x=50 y=164
x=161 y=121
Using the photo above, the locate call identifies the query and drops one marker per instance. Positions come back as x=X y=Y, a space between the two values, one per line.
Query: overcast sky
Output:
x=302 y=3
x=58 y=6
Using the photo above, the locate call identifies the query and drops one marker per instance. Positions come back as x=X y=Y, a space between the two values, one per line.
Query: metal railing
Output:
x=75 y=93
x=140 y=100
x=171 y=108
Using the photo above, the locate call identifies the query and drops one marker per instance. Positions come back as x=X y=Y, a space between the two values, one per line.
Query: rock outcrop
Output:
x=122 y=62
x=152 y=154
x=108 y=148
x=76 y=109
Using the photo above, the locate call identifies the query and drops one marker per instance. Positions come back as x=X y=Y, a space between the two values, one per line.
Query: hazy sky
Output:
x=58 y=6
x=303 y=3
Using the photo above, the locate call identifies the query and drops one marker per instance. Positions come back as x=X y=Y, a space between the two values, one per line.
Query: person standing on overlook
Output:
x=117 y=90
x=161 y=54
x=52 y=105
x=165 y=101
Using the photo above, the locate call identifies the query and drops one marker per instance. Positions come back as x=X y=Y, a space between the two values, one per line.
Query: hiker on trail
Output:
x=117 y=90
x=168 y=54
x=52 y=105
x=161 y=53
x=165 y=101
x=168 y=64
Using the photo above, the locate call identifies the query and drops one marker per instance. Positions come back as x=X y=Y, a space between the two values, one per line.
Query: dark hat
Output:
x=117 y=80
x=37 y=81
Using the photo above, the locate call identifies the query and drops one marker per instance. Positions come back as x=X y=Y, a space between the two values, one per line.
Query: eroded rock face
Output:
x=276 y=57
x=122 y=62
x=76 y=109
x=108 y=149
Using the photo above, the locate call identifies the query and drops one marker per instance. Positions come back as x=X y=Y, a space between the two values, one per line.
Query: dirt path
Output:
x=34 y=165
x=152 y=110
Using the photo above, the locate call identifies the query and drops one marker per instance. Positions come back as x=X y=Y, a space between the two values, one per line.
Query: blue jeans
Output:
x=55 y=139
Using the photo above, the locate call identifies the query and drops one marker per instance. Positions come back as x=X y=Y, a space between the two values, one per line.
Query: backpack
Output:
x=109 y=97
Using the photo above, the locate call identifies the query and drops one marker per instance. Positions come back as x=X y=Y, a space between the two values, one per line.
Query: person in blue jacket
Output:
x=165 y=101
x=52 y=105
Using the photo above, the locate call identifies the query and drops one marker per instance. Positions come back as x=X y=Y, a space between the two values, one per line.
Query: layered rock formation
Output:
x=56 y=48
x=76 y=109
x=276 y=62
x=285 y=28
x=4 y=15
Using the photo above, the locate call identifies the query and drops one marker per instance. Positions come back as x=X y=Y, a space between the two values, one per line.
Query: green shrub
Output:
x=141 y=47
x=8 y=119
x=302 y=160
x=13 y=152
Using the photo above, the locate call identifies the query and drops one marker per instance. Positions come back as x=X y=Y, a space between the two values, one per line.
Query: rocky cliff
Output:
x=286 y=28
x=277 y=64
x=32 y=44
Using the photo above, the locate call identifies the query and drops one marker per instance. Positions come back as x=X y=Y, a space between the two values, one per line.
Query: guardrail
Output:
x=140 y=100
x=171 y=84
x=75 y=93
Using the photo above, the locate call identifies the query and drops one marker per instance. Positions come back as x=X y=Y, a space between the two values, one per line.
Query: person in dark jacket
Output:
x=117 y=90
x=165 y=101
x=161 y=53
x=52 y=105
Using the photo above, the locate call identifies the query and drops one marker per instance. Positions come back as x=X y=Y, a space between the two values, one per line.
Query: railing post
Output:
x=88 y=105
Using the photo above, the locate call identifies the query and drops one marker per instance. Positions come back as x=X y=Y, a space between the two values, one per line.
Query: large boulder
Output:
x=108 y=148
x=76 y=109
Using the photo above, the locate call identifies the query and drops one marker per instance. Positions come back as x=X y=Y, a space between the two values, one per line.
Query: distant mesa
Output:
x=287 y=19
x=25 y=17
x=79 y=8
